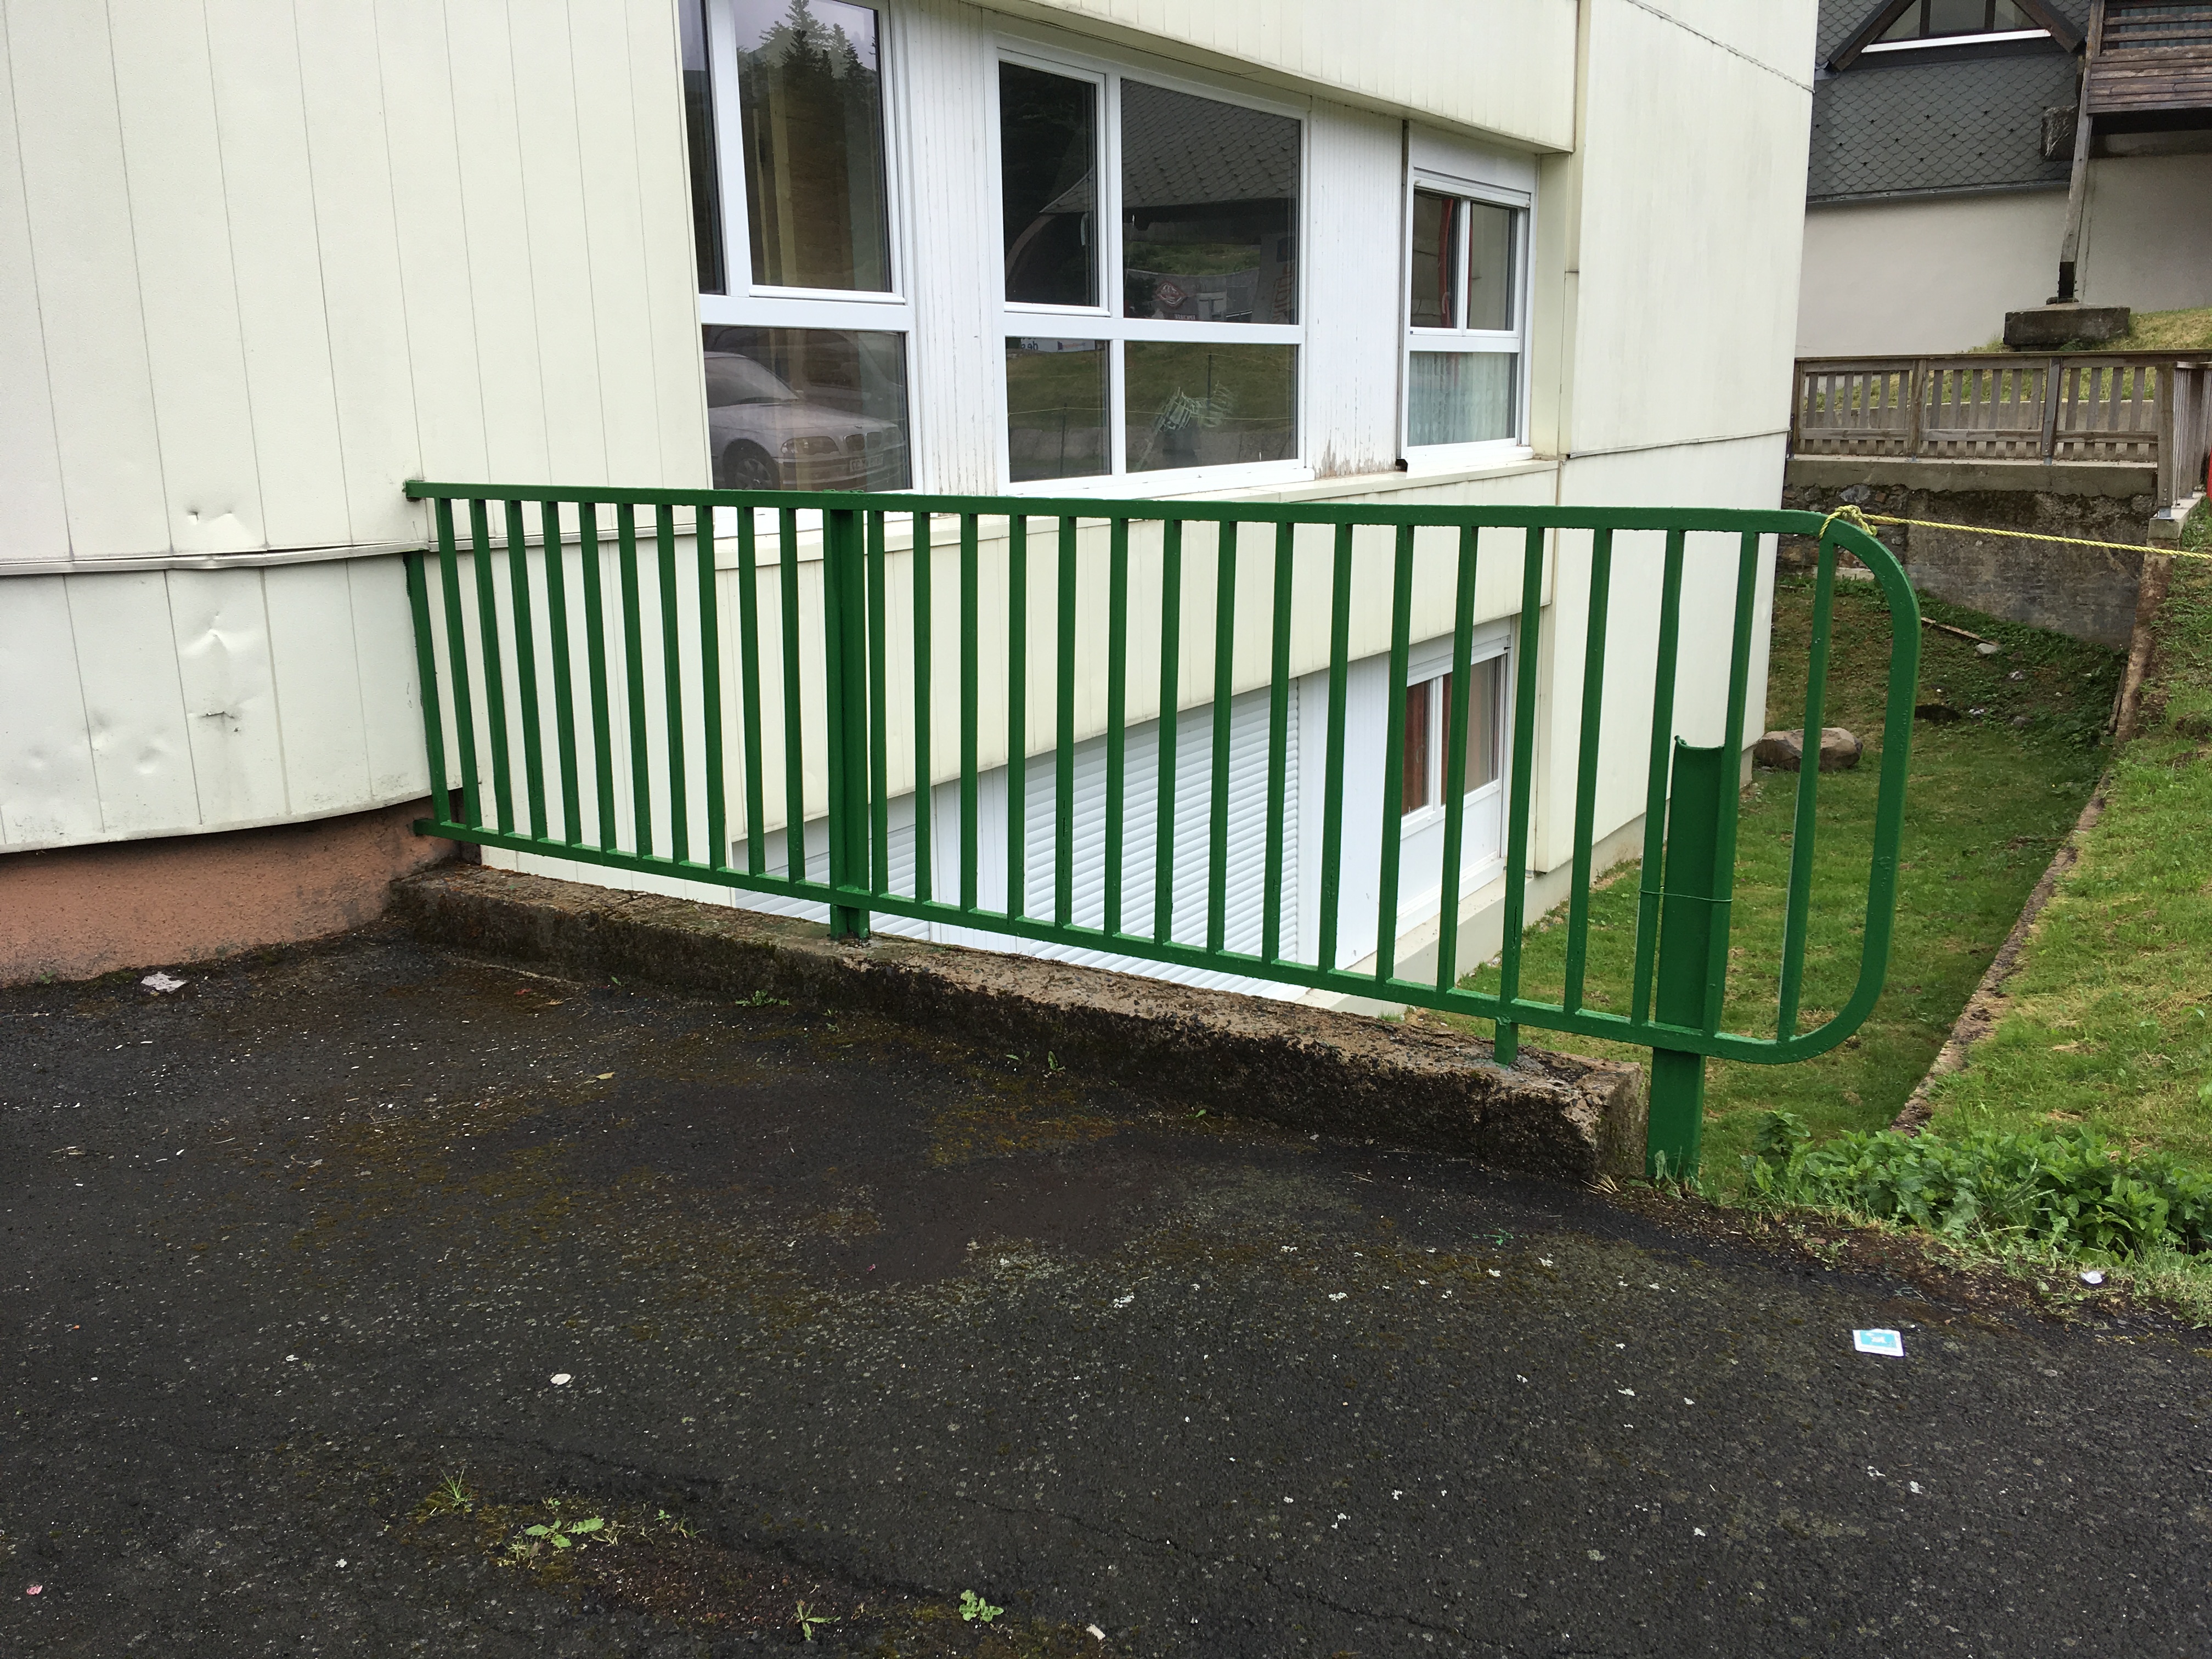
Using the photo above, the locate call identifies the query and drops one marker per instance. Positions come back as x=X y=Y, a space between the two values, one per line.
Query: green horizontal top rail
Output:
x=751 y=708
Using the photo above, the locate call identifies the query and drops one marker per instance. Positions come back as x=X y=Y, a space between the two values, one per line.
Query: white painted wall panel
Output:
x=384 y=658
x=34 y=517
x=315 y=669
x=1354 y=314
x=141 y=751
x=229 y=685
x=47 y=790
x=672 y=274
x=62 y=80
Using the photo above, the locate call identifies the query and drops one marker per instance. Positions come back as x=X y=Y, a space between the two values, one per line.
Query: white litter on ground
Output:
x=2095 y=1276
x=159 y=982
x=562 y=1379
x=1888 y=1342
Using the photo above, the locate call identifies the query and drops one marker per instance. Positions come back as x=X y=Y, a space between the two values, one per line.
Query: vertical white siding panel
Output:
x=433 y=257
x=61 y=79
x=496 y=232
x=391 y=696
x=626 y=326
x=34 y=524
x=560 y=269
x=165 y=96
x=127 y=653
x=317 y=673
x=47 y=792
x=270 y=200
x=1348 y=373
x=671 y=266
x=358 y=238
x=230 y=695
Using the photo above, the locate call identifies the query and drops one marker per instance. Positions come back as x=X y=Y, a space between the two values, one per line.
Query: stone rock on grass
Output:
x=1785 y=750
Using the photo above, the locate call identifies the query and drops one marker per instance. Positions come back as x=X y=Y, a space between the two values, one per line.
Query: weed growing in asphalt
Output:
x=763 y=1000
x=681 y=1529
x=554 y=1533
x=974 y=1606
x=807 y=1621
x=452 y=1493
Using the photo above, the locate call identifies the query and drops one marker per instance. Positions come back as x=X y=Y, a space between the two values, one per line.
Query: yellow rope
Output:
x=1866 y=521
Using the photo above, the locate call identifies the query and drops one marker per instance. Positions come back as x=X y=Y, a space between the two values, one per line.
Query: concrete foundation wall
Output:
x=78 y=912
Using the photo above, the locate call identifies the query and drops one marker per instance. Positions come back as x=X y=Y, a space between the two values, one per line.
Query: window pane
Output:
x=1192 y=403
x=1461 y=397
x=2005 y=15
x=806 y=408
x=1414 y=753
x=1209 y=208
x=1956 y=16
x=699 y=133
x=1048 y=188
x=1489 y=265
x=1481 y=720
x=1906 y=28
x=811 y=105
x=1056 y=408
x=1434 y=301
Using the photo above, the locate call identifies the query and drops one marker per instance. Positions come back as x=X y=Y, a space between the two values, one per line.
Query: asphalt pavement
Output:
x=805 y=1308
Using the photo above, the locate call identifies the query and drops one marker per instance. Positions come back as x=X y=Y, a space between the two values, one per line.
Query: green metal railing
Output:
x=605 y=683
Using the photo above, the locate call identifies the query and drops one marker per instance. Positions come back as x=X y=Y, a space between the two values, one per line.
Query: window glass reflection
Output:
x=1047 y=141
x=699 y=137
x=1056 y=409
x=1434 y=302
x=1197 y=403
x=1489 y=265
x=811 y=100
x=1461 y=397
x=1209 y=208
x=806 y=408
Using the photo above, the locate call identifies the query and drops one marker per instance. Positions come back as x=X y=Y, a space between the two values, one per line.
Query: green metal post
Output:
x=845 y=639
x=1693 y=925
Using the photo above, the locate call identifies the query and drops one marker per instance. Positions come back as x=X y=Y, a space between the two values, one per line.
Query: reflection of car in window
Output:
x=768 y=436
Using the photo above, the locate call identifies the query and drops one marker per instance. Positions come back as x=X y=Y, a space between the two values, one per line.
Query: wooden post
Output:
x=2168 y=462
x=2053 y=374
x=1919 y=381
x=2078 y=184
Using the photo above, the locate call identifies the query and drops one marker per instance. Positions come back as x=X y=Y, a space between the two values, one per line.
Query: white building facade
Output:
x=262 y=263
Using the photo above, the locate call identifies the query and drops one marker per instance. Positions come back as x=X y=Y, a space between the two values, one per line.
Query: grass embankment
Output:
x=1988 y=801
x=2151 y=330
x=2109 y=1022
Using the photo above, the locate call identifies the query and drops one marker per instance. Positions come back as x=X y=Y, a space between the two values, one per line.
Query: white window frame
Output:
x=1104 y=320
x=749 y=304
x=1492 y=643
x=1437 y=458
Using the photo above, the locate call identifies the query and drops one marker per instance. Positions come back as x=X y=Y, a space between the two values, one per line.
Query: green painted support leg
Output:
x=845 y=652
x=1693 y=926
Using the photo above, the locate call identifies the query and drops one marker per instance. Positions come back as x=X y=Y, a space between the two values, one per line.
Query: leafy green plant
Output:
x=554 y=1533
x=763 y=1000
x=974 y=1606
x=452 y=1494
x=682 y=1528
x=2078 y=1193
x=807 y=1621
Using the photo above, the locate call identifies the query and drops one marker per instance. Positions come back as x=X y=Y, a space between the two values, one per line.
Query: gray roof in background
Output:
x=1882 y=129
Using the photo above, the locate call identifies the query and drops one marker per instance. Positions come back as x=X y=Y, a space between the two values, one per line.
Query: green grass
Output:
x=2109 y=1022
x=1988 y=802
x=2149 y=331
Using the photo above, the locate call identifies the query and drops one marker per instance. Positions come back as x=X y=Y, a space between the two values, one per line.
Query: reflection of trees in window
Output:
x=811 y=108
x=1048 y=185
x=1209 y=208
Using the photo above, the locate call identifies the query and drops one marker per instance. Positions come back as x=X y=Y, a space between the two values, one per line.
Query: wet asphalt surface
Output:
x=286 y=1246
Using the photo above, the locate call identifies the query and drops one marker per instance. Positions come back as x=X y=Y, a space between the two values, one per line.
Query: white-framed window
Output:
x=1424 y=757
x=806 y=313
x=1152 y=322
x=1466 y=321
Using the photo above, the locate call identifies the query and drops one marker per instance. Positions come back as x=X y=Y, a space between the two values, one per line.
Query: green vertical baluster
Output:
x=494 y=665
x=749 y=672
x=1689 y=918
x=1795 y=925
x=1524 y=770
x=1278 y=742
x=846 y=685
x=672 y=676
x=1063 y=760
x=426 y=674
x=1655 y=789
x=1332 y=815
x=457 y=661
x=564 y=690
x=925 y=793
x=526 y=669
x=1455 y=736
x=878 y=827
x=1018 y=718
x=971 y=609
x=1163 y=808
x=795 y=727
x=1117 y=710
x=633 y=621
x=1730 y=801
x=1225 y=691
x=710 y=689
x=1394 y=767
x=1586 y=763
x=593 y=578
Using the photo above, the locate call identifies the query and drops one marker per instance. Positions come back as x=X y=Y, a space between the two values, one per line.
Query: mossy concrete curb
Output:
x=1307 y=1068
